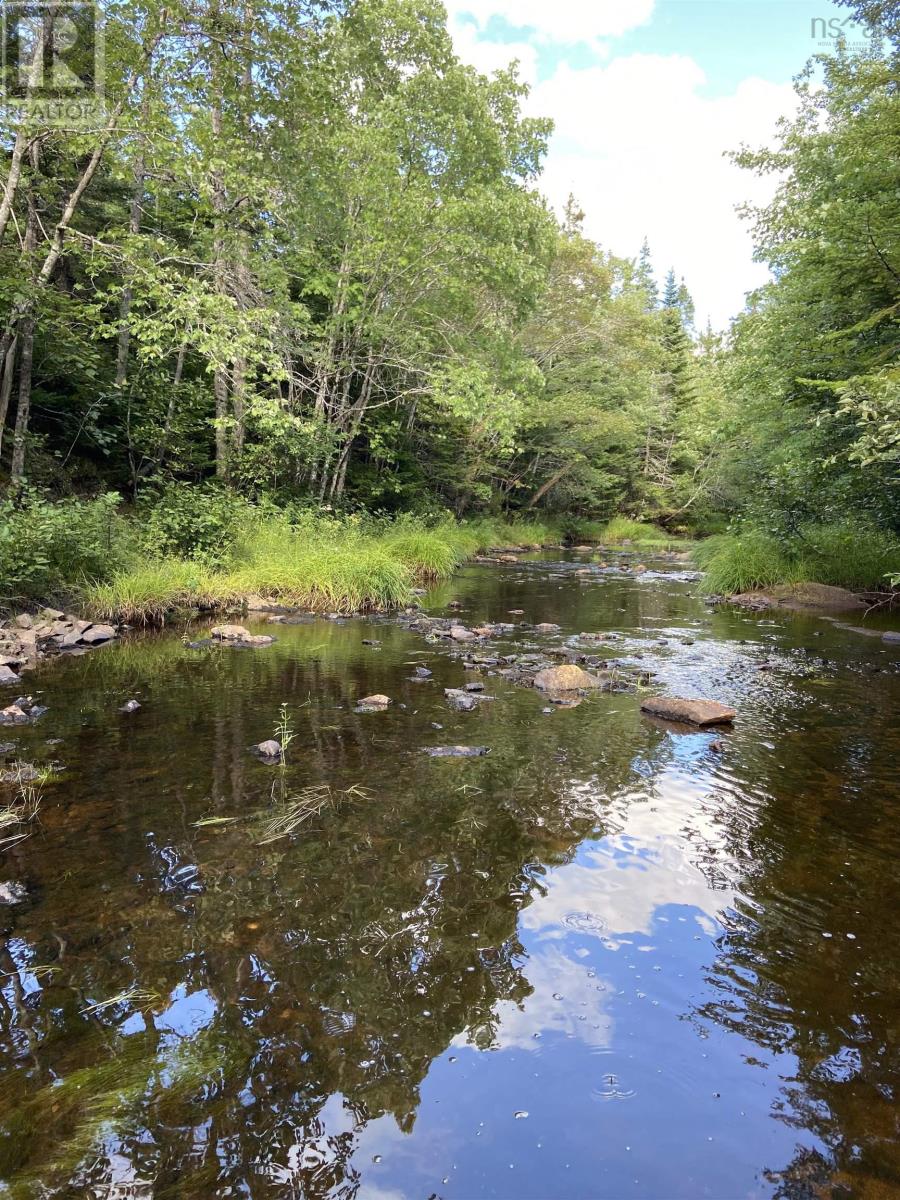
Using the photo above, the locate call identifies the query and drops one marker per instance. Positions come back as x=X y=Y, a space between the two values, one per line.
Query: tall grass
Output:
x=623 y=529
x=321 y=564
x=854 y=556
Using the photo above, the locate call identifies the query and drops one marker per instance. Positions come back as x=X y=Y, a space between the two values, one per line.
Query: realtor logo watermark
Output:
x=52 y=61
x=827 y=32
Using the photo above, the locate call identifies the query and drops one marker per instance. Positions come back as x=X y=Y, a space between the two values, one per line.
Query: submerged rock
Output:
x=270 y=751
x=456 y=751
x=13 y=715
x=459 y=633
x=130 y=706
x=800 y=597
x=13 y=893
x=547 y=627
x=690 y=712
x=373 y=703
x=20 y=772
x=460 y=700
x=567 y=678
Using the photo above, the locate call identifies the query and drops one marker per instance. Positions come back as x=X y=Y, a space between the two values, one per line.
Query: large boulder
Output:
x=568 y=678
x=689 y=712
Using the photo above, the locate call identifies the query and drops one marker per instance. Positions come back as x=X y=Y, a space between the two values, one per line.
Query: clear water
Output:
x=606 y=960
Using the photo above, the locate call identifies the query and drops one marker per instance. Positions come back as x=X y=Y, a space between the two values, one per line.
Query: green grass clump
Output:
x=317 y=562
x=741 y=563
x=623 y=529
x=144 y=594
x=845 y=555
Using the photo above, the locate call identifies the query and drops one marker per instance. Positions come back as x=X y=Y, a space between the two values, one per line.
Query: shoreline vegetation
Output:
x=224 y=552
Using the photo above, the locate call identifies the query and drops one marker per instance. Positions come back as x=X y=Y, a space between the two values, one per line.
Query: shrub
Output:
x=47 y=549
x=200 y=523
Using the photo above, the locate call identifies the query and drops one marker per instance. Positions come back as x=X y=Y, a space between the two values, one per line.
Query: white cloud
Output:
x=563 y=21
x=644 y=152
x=639 y=144
x=488 y=57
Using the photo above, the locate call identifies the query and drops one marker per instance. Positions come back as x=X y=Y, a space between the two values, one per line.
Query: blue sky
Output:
x=647 y=96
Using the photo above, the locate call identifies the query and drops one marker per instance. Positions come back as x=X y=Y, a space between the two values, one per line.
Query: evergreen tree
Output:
x=686 y=306
x=645 y=277
x=670 y=294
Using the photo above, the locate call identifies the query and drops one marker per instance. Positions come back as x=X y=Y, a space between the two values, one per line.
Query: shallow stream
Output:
x=608 y=959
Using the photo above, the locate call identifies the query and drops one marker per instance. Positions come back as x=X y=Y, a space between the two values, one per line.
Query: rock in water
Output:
x=568 y=678
x=457 y=751
x=271 y=750
x=375 y=702
x=460 y=634
x=14 y=715
x=691 y=712
x=97 y=634
x=130 y=706
x=460 y=700
x=546 y=627
x=229 y=633
x=12 y=893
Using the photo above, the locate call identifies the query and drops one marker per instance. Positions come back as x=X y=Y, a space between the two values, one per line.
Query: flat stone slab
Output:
x=689 y=712
x=568 y=678
x=456 y=751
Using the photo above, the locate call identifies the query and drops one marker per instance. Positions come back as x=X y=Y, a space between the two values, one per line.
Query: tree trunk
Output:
x=9 y=369
x=134 y=227
x=23 y=412
x=26 y=360
x=25 y=307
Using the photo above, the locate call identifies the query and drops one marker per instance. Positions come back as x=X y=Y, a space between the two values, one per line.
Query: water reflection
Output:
x=678 y=963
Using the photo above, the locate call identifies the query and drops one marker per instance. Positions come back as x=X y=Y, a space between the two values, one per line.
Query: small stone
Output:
x=24 y=621
x=424 y=673
x=370 y=642
x=12 y=893
x=376 y=701
x=270 y=750
x=130 y=706
x=458 y=699
x=14 y=715
x=547 y=627
x=20 y=772
x=7 y=675
x=460 y=634
x=475 y=687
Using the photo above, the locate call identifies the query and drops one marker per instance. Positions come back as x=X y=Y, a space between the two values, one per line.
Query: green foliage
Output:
x=46 y=548
x=199 y=523
x=318 y=563
x=622 y=529
x=741 y=562
x=843 y=555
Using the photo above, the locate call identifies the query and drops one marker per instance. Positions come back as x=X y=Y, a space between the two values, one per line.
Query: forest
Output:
x=295 y=283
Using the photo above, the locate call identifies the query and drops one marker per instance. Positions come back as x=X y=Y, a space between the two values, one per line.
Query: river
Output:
x=610 y=958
